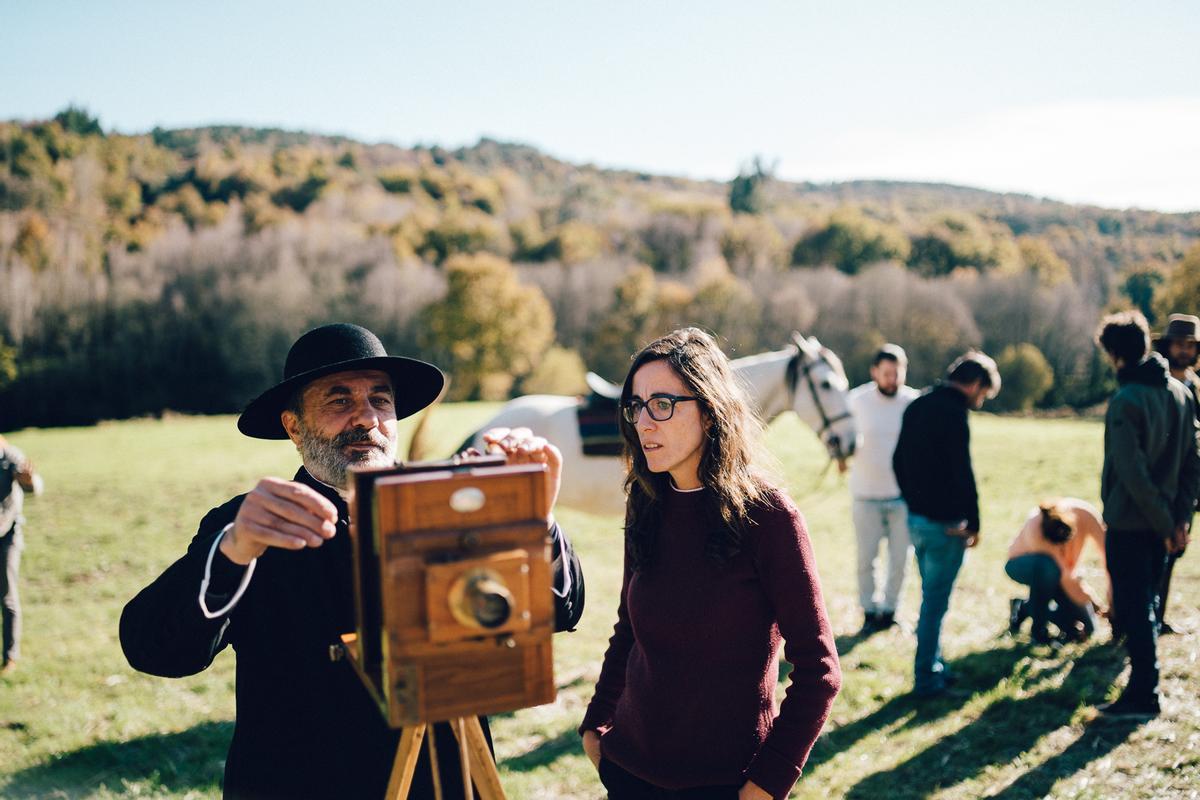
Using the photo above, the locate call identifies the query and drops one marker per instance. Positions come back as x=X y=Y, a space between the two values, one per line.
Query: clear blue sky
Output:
x=1082 y=101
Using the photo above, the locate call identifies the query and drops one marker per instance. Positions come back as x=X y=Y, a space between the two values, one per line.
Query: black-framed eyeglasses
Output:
x=660 y=406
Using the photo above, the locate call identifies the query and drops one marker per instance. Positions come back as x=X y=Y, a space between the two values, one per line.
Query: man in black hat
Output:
x=1148 y=484
x=1178 y=346
x=269 y=572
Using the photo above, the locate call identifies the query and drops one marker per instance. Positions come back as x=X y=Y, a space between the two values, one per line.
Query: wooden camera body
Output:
x=452 y=580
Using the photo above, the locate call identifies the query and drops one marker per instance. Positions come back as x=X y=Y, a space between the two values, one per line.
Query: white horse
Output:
x=805 y=377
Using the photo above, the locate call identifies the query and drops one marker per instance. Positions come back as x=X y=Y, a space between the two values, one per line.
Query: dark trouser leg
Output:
x=10 y=556
x=1042 y=575
x=1135 y=564
x=1164 y=588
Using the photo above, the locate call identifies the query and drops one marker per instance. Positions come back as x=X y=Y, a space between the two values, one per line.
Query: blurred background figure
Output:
x=878 y=510
x=1045 y=557
x=17 y=476
x=1178 y=346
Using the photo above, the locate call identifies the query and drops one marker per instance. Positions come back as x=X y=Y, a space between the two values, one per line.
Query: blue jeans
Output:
x=939 y=557
x=1047 y=600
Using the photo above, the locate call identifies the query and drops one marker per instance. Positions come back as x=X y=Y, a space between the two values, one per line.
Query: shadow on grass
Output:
x=976 y=672
x=191 y=759
x=546 y=753
x=1006 y=729
x=1098 y=739
x=846 y=643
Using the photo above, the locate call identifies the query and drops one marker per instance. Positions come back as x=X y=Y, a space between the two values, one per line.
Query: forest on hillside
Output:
x=171 y=270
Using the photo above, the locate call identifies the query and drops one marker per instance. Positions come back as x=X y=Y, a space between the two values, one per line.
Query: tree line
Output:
x=172 y=270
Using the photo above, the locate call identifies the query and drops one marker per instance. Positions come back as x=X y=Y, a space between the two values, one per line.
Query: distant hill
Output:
x=111 y=244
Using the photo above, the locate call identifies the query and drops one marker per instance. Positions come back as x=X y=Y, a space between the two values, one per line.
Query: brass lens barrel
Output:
x=480 y=599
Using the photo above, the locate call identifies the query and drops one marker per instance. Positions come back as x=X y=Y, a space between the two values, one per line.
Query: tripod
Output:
x=474 y=755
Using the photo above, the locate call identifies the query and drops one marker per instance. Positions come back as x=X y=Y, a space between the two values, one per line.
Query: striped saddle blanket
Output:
x=598 y=426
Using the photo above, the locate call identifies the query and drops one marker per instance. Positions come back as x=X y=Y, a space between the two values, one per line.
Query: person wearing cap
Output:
x=1045 y=556
x=878 y=509
x=1148 y=484
x=270 y=574
x=933 y=469
x=1177 y=345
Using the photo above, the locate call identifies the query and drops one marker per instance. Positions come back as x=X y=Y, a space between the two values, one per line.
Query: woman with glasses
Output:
x=718 y=569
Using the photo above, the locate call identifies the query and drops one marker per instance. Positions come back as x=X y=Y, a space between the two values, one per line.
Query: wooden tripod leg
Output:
x=460 y=733
x=406 y=762
x=474 y=747
x=434 y=768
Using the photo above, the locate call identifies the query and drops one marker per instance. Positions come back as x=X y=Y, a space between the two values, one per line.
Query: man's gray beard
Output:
x=327 y=461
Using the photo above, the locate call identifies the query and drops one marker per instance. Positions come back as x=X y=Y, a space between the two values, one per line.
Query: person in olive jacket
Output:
x=1148 y=485
x=270 y=573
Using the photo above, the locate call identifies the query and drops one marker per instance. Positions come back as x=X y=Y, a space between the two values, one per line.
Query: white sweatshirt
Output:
x=877 y=419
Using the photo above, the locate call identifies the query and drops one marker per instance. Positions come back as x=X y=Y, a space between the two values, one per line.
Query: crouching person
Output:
x=1045 y=557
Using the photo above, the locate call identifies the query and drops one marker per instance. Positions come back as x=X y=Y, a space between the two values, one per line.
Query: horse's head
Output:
x=820 y=395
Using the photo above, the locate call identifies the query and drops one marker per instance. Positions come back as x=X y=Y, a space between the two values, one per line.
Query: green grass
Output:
x=122 y=501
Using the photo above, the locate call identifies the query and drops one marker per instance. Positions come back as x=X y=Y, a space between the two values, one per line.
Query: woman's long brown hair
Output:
x=730 y=465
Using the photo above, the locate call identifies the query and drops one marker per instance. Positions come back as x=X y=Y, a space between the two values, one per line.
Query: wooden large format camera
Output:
x=452 y=579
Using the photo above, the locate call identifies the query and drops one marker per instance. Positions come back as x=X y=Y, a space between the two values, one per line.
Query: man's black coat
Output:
x=932 y=460
x=306 y=727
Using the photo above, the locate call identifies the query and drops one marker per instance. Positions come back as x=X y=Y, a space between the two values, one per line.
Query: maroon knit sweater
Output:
x=686 y=694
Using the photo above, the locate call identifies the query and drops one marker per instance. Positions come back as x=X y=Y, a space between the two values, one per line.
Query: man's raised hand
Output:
x=521 y=446
x=279 y=513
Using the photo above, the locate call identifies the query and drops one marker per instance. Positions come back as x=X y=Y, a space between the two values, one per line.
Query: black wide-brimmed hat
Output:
x=340 y=348
x=1180 y=326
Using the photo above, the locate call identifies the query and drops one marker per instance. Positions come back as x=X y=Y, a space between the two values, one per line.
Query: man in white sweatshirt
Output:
x=879 y=511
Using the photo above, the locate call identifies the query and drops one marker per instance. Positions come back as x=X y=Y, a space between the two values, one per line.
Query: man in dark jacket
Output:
x=270 y=573
x=932 y=462
x=1148 y=485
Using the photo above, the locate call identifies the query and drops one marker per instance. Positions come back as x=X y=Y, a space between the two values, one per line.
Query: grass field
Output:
x=122 y=501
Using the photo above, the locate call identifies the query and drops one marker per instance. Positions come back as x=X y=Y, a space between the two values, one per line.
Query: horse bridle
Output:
x=800 y=366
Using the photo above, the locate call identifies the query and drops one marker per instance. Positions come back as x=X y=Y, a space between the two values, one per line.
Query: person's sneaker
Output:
x=870 y=623
x=9 y=667
x=1126 y=708
x=1016 y=614
x=1166 y=629
x=885 y=620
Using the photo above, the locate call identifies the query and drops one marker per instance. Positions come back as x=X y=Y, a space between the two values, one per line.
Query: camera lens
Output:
x=483 y=600
x=490 y=609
